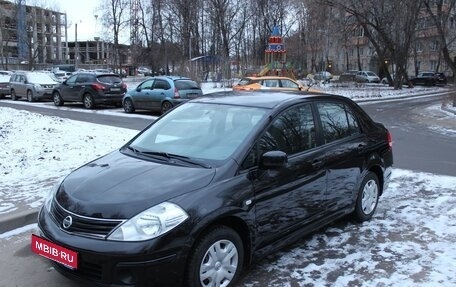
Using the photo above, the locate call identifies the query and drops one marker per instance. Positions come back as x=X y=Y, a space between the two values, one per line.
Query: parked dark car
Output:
x=425 y=78
x=348 y=76
x=31 y=85
x=213 y=185
x=4 y=85
x=91 y=89
x=161 y=94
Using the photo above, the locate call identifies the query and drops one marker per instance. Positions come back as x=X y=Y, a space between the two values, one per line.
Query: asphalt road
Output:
x=417 y=144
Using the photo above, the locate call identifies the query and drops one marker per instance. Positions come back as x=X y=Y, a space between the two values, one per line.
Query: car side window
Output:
x=271 y=83
x=72 y=79
x=83 y=79
x=337 y=121
x=291 y=132
x=161 y=84
x=289 y=84
x=147 y=85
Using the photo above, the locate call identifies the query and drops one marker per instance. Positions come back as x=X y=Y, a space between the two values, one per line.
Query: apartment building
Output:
x=31 y=34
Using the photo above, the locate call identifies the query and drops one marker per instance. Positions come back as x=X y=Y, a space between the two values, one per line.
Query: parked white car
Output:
x=367 y=77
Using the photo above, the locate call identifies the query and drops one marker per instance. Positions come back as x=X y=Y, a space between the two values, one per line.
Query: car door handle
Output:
x=361 y=147
x=317 y=164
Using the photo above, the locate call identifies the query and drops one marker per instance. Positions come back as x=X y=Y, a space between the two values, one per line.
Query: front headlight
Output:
x=51 y=193
x=38 y=86
x=150 y=223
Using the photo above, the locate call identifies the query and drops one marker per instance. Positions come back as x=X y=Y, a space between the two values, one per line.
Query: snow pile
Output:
x=37 y=150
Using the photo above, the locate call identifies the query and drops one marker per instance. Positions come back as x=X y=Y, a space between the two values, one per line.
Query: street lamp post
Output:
x=76 y=48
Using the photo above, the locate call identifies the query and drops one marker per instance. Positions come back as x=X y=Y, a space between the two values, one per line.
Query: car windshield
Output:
x=371 y=74
x=109 y=79
x=186 y=84
x=209 y=132
x=40 y=78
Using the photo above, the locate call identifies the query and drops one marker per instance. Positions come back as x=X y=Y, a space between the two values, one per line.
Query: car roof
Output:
x=262 y=99
x=267 y=78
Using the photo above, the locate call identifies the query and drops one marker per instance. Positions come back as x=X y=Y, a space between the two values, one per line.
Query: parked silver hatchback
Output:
x=31 y=85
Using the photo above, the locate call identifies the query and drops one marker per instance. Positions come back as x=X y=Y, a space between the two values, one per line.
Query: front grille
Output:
x=48 y=86
x=86 y=226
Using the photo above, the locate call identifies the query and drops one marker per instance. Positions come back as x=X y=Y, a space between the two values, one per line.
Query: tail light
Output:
x=98 y=87
x=390 y=140
x=124 y=86
x=176 y=93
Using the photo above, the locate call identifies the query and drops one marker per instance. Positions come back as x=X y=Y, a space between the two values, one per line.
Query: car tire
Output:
x=166 y=106
x=128 y=106
x=216 y=259
x=58 y=101
x=13 y=95
x=88 y=101
x=30 y=97
x=368 y=195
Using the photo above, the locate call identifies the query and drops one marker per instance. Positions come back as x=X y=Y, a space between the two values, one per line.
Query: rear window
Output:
x=186 y=84
x=245 y=82
x=109 y=79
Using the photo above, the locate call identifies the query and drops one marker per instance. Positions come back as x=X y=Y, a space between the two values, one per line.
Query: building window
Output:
x=433 y=65
x=419 y=47
x=434 y=45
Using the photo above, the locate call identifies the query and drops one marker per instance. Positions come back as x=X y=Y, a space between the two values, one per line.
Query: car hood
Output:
x=118 y=186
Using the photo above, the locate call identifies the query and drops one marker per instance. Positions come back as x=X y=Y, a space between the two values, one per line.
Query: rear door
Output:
x=160 y=90
x=343 y=153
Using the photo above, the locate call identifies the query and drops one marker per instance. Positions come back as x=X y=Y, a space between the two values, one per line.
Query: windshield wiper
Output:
x=180 y=158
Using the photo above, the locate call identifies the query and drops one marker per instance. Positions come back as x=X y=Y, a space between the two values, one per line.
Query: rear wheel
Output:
x=88 y=101
x=216 y=259
x=58 y=101
x=128 y=106
x=13 y=95
x=166 y=106
x=367 y=200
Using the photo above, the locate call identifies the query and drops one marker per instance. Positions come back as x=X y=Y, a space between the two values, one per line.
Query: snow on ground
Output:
x=409 y=242
x=37 y=150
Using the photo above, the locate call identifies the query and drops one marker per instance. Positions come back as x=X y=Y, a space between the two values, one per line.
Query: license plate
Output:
x=192 y=96
x=115 y=89
x=54 y=252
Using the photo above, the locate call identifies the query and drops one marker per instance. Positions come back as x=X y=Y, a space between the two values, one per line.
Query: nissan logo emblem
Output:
x=67 y=222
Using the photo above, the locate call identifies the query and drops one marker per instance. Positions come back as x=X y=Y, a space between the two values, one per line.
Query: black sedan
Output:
x=212 y=186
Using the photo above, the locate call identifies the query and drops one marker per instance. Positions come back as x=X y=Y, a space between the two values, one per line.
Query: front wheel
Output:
x=30 y=96
x=216 y=259
x=58 y=101
x=367 y=200
x=128 y=106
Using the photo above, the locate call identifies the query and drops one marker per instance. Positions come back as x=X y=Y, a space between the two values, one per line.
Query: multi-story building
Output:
x=31 y=34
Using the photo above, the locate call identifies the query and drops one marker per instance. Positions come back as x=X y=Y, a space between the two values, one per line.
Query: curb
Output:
x=18 y=219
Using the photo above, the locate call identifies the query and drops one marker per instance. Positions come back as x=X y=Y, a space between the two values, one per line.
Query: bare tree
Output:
x=443 y=16
x=390 y=27
x=116 y=17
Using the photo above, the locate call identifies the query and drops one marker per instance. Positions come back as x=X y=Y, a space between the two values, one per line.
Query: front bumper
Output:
x=157 y=262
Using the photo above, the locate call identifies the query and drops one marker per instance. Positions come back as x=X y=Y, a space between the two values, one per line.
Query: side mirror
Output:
x=138 y=89
x=273 y=160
